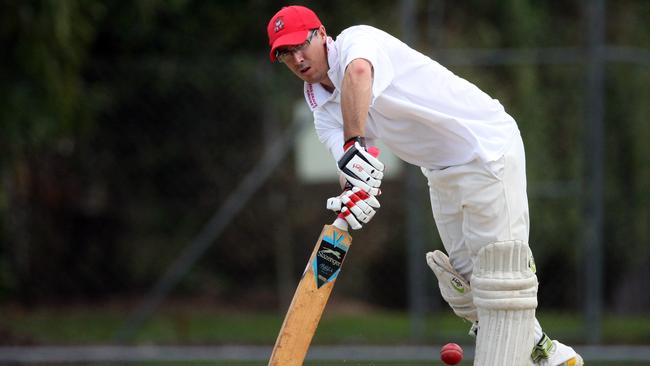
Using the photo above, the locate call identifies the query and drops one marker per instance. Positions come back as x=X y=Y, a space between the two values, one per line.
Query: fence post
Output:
x=594 y=169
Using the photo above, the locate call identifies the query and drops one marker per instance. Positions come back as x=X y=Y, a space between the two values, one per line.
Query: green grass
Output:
x=201 y=325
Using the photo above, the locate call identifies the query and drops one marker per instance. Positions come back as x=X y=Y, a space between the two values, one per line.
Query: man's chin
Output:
x=312 y=79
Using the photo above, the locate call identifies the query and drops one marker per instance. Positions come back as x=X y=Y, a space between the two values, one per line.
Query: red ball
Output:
x=451 y=354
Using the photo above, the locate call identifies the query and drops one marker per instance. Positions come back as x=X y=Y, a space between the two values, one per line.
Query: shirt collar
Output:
x=332 y=58
x=315 y=94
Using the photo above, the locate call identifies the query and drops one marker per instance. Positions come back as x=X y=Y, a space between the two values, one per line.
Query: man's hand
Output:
x=360 y=168
x=355 y=206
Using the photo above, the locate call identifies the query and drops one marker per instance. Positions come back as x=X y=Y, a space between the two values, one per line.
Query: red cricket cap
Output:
x=290 y=26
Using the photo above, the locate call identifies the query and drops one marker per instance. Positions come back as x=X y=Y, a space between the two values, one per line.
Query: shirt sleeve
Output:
x=330 y=133
x=360 y=44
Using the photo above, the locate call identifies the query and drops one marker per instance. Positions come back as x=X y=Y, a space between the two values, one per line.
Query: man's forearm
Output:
x=355 y=97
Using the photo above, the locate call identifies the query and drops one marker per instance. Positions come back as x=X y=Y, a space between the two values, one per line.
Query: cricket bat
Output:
x=311 y=295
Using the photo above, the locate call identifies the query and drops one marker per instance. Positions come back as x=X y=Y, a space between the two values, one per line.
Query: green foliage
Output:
x=125 y=124
x=46 y=45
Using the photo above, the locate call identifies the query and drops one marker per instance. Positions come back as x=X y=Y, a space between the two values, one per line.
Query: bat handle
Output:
x=341 y=223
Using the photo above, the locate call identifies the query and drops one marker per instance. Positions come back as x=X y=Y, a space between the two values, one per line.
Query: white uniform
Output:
x=424 y=113
x=468 y=147
x=429 y=117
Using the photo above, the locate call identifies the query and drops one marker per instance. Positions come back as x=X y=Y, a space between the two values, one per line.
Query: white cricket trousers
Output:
x=479 y=203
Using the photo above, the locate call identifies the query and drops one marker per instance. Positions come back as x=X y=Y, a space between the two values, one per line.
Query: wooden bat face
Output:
x=311 y=297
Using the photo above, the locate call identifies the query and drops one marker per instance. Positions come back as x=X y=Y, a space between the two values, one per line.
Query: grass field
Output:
x=97 y=325
x=200 y=325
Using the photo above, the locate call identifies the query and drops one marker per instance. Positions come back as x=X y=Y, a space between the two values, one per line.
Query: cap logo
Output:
x=278 y=25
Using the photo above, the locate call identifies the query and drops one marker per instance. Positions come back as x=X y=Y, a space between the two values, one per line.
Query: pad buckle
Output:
x=543 y=349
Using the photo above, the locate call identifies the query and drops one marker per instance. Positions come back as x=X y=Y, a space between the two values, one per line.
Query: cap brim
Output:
x=289 y=39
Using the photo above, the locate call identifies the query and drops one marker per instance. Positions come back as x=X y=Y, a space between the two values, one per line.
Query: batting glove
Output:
x=360 y=168
x=453 y=287
x=355 y=206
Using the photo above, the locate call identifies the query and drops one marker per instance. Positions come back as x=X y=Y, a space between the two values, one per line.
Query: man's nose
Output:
x=297 y=56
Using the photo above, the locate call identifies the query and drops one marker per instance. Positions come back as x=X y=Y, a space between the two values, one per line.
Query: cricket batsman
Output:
x=367 y=85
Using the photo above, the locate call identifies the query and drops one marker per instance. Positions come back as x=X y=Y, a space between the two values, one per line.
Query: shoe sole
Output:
x=576 y=361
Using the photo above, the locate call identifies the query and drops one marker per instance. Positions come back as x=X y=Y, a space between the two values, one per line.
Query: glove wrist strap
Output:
x=349 y=142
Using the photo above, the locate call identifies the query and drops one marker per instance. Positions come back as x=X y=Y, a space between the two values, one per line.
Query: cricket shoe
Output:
x=548 y=352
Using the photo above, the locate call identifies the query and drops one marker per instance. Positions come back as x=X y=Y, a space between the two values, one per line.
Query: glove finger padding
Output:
x=358 y=196
x=334 y=204
x=350 y=218
x=355 y=206
x=453 y=287
x=361 y=204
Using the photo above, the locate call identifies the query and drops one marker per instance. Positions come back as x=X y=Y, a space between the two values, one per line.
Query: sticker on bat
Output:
x=328 y=259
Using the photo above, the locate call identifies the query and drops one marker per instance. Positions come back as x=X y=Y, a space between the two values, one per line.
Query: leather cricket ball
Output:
x=451 y=354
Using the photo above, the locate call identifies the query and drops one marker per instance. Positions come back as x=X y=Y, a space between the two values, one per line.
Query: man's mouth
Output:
x=302 y=71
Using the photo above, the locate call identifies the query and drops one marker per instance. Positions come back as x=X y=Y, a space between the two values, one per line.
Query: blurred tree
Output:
x=627 y=232
x=124 y=124
x=44 y=110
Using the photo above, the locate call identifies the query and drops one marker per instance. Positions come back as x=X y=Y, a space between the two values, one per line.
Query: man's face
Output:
x=308 y=60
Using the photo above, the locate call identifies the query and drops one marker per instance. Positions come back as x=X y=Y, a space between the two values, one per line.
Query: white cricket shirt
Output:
x=422 y=112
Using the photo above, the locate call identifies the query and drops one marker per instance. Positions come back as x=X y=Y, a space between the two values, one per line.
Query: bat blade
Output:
x=310 y=297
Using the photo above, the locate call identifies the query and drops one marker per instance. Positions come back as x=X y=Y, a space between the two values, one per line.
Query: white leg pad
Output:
x=505 y=295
